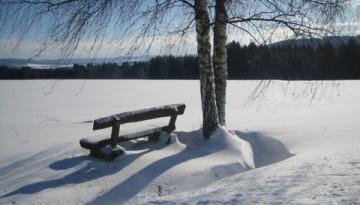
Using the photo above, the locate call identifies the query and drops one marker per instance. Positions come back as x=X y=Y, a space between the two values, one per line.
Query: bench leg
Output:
x=154 y=137
x=114 y=135
x=110 y=156
x=95 y=152
x=172 y=121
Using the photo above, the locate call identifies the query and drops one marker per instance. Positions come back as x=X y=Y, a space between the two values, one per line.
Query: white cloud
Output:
x=161 y=45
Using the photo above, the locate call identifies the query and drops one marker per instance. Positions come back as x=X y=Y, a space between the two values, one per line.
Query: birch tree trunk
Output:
x=220 y=58
x=207 y=85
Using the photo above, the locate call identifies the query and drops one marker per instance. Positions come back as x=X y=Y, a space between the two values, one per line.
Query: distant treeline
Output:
x=300 y=62
x=303 y=62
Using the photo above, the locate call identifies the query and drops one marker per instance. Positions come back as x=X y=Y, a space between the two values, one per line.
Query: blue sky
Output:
x=32 y=43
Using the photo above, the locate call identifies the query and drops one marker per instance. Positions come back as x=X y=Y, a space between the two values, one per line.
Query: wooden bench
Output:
x=114 y=121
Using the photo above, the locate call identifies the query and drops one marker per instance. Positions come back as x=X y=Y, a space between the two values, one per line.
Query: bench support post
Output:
x=114 y=134
x=172 y=123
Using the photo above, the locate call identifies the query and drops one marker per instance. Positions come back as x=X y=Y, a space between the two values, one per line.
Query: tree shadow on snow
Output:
x=266 y=150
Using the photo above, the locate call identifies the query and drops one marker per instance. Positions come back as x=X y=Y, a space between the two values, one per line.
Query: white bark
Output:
x=207 y=84
x=220 y=58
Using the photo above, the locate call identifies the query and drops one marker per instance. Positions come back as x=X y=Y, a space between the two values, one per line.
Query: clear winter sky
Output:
x=33 y=42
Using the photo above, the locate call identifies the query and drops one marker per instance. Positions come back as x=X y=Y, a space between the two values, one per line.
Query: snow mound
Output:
x=221 y=142
x=189 y=162
x=267 y=150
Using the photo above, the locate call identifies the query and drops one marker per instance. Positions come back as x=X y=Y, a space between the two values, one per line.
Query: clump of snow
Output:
x=229 y=144
x=108 y=149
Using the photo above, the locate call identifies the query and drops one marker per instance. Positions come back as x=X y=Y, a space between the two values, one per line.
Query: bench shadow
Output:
x=94 y=169
x=126 y=190
x=69 y=162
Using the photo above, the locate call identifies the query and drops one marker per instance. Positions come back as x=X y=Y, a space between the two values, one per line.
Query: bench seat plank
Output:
x=91 y=143
x=139 y=115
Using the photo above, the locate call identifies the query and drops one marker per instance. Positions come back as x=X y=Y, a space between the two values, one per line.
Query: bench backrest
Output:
x=139 y=115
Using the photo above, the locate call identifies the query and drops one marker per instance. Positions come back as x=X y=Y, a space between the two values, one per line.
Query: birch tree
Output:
x=140 y=22
x=220 y=58
x=207 y=84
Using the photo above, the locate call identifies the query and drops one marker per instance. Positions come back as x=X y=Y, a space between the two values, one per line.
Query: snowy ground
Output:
x=302 y=138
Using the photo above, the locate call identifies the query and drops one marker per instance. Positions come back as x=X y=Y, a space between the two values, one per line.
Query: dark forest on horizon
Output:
x=287 y=62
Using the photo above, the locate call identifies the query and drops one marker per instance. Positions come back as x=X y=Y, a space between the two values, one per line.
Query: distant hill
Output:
x=336 y=41
x=57 y=63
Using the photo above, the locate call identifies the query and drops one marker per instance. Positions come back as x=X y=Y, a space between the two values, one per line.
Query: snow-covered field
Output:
x=297 y=143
